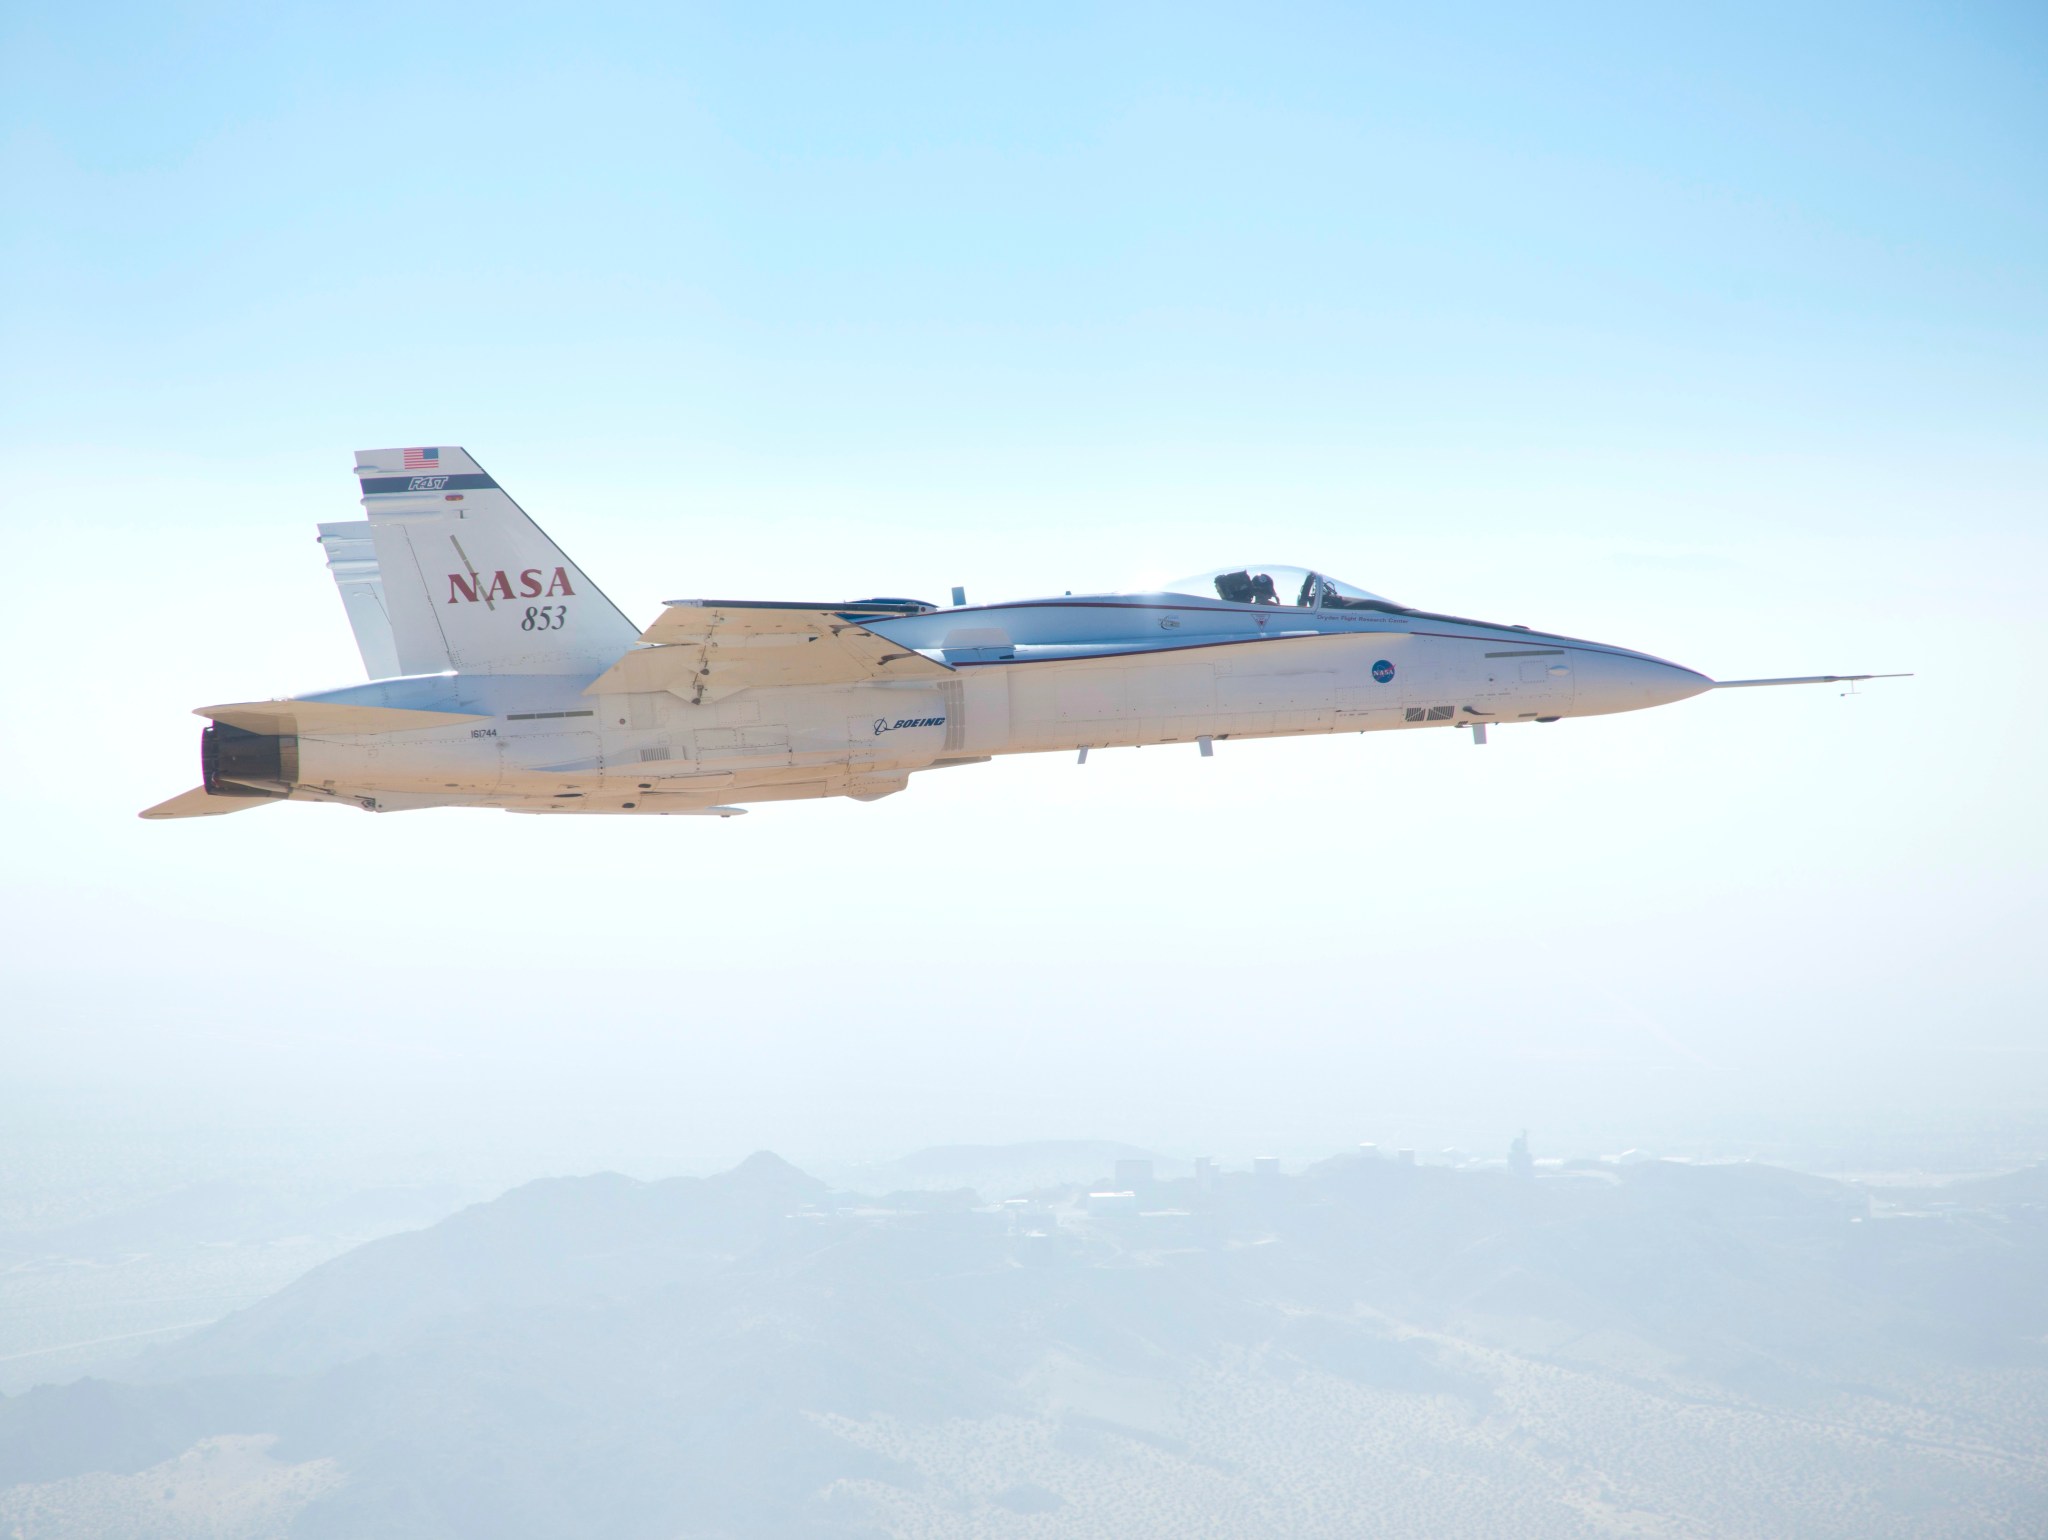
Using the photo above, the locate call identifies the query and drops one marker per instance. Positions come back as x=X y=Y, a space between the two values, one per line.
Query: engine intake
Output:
x=236 y=763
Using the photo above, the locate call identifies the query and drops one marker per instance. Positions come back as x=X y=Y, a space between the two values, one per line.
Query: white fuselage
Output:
x=1028 y=677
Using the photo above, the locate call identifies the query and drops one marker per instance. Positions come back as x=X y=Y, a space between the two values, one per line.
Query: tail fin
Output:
x=470 y=582
x=353 y=560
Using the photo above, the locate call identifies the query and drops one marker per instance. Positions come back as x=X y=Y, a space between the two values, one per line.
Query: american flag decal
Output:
x=423 y=459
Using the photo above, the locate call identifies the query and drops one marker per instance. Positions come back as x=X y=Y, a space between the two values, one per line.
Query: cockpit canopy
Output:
x=1290 y=587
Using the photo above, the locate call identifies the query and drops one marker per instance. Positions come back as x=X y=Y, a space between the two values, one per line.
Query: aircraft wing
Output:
x=704 y=648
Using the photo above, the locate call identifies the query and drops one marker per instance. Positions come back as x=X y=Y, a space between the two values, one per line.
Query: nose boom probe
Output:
x=1750 y=684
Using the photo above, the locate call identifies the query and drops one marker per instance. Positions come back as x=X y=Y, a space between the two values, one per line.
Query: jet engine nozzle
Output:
x=237 y=763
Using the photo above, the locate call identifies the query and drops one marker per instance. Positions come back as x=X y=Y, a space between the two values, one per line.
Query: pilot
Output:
x=1234 y=587
x=1262 y=589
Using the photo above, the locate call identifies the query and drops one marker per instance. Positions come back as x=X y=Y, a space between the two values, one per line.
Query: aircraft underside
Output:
x=655 y=752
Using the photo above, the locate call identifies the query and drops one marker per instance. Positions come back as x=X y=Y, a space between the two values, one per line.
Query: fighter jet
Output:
x=502 y=677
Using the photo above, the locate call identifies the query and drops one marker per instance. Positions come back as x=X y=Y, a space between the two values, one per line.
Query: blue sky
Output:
x=936 y=233
x=1717 y=333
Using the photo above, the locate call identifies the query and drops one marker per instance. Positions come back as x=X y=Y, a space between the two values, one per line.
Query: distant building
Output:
x=1205 y=1173
x=1520 y=1162
x=1406 y=1157
x=1369 y=1151
x=1022 y=1212
x=1112 y=1203
x=1266 y=1167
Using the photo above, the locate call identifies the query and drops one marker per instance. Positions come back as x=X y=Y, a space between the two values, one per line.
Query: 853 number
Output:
x=545 y=617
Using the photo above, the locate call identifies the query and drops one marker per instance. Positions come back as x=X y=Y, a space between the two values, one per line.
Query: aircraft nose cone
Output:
x=1618 y=681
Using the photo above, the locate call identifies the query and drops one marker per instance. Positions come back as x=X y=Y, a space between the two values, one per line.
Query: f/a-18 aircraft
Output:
x=500 y=676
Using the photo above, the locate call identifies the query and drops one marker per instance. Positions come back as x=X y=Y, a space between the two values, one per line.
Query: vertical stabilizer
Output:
x=470 y=582
x=352 y=558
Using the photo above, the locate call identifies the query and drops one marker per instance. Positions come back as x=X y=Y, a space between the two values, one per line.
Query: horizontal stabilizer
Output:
x=199 y=803
x=703 y=648
x=1751 y=684
x=319 y=717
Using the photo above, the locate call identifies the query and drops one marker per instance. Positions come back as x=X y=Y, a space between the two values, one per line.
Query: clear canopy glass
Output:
x=1335 y=595
x=1265 y=583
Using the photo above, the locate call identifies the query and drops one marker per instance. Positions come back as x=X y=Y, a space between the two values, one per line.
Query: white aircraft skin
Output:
x=502 y=677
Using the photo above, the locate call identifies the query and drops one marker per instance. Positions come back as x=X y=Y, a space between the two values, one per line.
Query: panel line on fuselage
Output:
x=1112 y=650
x=1302 y=624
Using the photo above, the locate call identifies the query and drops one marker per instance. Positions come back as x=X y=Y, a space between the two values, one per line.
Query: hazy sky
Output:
x=1720 y=334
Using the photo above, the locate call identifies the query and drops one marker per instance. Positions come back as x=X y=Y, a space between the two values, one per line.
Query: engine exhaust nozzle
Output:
x=236 y=763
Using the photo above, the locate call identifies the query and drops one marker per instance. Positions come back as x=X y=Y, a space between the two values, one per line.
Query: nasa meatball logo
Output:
x=1383 y=671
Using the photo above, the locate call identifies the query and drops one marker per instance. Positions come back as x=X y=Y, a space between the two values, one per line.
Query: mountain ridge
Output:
x=754 y=1353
